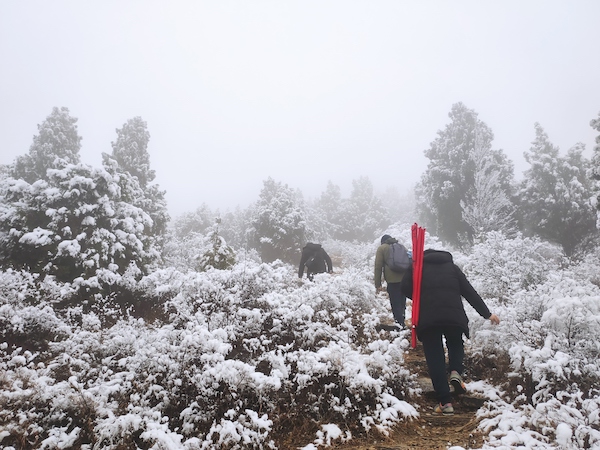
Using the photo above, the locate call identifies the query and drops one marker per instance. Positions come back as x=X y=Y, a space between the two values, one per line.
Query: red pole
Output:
x=418 y=238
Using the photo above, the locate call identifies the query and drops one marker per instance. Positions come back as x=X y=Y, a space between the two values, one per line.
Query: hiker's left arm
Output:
x=472 y=296
x=328 y=262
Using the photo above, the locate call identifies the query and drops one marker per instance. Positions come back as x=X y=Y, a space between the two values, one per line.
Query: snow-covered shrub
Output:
x=231 y=358
x=240 y=431
x=182 y=253
x=73 y=224
x=235 y=357
x=25 y=288
x=500 y=266
x=218 y=255
x=587 y=269
x=31 y=327
x=301 y=322
x=362 y=255
x=551 y=379
x=345 y=254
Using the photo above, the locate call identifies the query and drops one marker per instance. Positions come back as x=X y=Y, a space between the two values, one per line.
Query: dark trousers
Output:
x=397 y=302
x=436 y=359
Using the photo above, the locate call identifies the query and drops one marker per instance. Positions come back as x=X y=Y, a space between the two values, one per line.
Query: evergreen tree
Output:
x=555 y=194
x=56 y=145
x=197 y=221
x=450 y=175
x=63 y=218
x=72 y=225
x=364 y=216
x=325 y=214
x=488 y=206
x=594 y=172
x=130 y=156
x=130 y=150
x=218 y=254
x=279 y=224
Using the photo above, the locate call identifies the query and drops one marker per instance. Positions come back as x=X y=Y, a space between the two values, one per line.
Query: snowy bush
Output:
x=500 y=266
x=72 y=225
x=552 y=377
x=233 y=357
x=253 y=357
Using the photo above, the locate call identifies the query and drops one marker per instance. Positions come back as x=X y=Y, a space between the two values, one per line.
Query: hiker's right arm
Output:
x=302 y=262
x=406 y=285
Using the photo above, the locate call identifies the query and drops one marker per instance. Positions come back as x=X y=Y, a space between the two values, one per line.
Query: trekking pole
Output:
x=418 y=239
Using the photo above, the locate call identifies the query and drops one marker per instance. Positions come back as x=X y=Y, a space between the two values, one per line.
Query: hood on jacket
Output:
x=312 y=246
x=387 y=239
x=432 y=256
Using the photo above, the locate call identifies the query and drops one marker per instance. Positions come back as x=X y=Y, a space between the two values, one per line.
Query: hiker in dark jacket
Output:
x=315 y=259
x=392 y=279
x=442 y=314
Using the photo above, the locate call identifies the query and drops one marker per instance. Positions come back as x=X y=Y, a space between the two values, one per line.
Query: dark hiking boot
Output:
x=384 y=327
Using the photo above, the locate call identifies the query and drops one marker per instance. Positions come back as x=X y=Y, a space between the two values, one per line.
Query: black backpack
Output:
x=312 y=263
x=315 y=262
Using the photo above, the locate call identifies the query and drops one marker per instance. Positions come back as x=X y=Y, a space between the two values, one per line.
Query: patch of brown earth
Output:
x=430 y=431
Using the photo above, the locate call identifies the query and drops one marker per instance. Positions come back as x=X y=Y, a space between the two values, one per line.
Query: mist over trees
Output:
x=467 y=191
x=594 y=172
x=457 y=180
x=468 y=188
x=56 y=145
x=67 y=219
x=554 y=196
x=195 y=332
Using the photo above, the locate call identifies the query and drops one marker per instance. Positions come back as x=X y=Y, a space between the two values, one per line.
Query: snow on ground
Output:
x=226 y=359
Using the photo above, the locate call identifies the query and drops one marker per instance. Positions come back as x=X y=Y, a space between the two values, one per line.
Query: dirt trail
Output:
x=430 y=431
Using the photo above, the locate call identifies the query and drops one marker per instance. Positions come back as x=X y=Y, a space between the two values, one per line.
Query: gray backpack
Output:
x=398 y=259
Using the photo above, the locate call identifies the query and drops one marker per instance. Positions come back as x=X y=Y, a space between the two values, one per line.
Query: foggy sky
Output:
x=302 y=91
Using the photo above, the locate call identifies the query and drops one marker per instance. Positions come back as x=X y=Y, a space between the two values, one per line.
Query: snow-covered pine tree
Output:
x=554 y=196
x=72 y=225
x=323 y=215
x=279 y=225
x=71 y=220
x=594 y=172
x=488 y=206
x=130 y=150
x=363 y=214
x=218 y=254
x=450 y=175
x=130 y=155
x=56 y=145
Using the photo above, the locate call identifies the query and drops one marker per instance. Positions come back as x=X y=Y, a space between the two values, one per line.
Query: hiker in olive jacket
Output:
x=392 y=279
x=442 y=315
x=315 y=259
